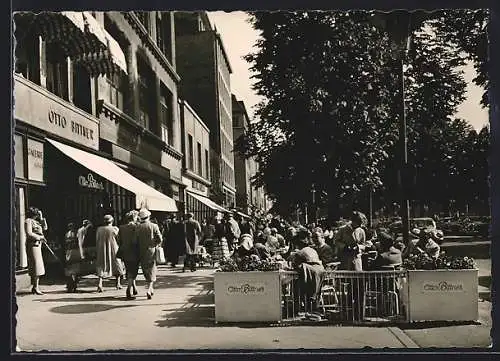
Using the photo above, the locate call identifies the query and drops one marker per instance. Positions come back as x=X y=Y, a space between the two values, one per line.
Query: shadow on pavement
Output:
x=85 y=299
x=436 y=324
x=80 y=308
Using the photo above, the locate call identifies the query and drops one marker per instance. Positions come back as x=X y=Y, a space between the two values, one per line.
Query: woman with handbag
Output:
x=35 y=225
x=128 y=251
x=149 y=240
x=72 y=258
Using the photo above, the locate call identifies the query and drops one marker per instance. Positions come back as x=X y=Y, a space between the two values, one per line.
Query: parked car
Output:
x=415 y=223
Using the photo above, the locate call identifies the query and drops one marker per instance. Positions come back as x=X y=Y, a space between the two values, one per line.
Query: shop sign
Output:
x=199 y=186
x=89 y=181
x=38 y=107
x=442 y=286
x=246 y=289
x=35 y=160
x=175 y=192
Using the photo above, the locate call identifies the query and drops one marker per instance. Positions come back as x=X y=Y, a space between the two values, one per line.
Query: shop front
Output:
x=198 y=203
x=59 y=169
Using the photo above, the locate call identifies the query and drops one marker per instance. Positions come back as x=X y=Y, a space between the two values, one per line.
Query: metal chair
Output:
x=371 y=295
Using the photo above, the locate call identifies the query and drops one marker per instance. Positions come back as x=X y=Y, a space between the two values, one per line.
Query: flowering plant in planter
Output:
x=248 y=264
x=422 y=261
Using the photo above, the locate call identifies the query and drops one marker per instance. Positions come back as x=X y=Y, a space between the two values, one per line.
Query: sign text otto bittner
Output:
x=76 y=128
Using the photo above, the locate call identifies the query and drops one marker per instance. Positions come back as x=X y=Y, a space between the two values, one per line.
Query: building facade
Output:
x=97 y=126
x=205 y=71
x=196 y=164
x=249 y=198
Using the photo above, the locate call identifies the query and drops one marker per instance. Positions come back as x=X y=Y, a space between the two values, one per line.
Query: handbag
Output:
x=160 y=256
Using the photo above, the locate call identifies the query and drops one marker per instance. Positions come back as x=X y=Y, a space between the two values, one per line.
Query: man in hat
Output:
x=232 y=232
x=149 y=238
x=193 y=233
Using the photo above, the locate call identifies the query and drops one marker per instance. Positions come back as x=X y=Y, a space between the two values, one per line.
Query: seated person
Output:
x=325 y=252
x=425 y=244
x=271 y=242
x=246 y=248
x=388 y=254
x=279 y=237
x=310 y=270
x=262 y=251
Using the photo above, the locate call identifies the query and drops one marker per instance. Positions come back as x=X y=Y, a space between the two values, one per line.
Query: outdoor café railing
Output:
x=348 y=297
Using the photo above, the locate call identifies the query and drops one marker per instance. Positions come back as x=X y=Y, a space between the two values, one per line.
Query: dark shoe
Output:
x=36 y=291
x=135 y=291
x=129 y=296
x=149 y=295
x=99 y=289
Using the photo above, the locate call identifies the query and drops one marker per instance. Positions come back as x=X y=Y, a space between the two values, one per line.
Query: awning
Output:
x=208 y=202
x=241 y=214
x=76 y=32
x=146 y=196
x=105 y=61
x=81 y=37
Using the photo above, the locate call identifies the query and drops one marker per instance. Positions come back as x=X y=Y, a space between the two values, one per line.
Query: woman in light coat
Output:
x=149 y=238
x=107 y=264
x=35 y=225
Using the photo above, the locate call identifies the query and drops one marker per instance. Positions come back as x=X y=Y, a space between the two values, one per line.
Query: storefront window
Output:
x=19 y=163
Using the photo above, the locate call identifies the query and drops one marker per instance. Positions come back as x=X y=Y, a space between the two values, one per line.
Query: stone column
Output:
x=157 y=124
x=69 y=67
x=133 y=88
x=172 y=41
x=42 y=50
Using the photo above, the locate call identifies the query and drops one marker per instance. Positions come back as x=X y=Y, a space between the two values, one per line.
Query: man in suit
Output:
x=193 y=234
x=149 y=238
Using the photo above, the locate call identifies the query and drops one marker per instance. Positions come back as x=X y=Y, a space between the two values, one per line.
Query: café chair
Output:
x=385 y=289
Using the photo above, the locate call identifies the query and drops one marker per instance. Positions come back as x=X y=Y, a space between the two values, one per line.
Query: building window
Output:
x=190 y=152
x=147 y=96
x=166 y=116
x=57 y=71
x=116 y=90
x=117 y=82
x=199 y=168
x=27 y=52
x=163 y=33
x=207 y=165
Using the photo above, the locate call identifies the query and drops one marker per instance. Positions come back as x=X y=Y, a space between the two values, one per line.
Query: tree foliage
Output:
x=468 y=30
x=331 y=112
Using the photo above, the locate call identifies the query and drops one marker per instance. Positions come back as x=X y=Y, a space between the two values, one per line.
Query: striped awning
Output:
x=81 y=38
x=105 y=61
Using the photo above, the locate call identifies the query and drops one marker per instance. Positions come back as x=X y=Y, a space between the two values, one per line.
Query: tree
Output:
x=468 y=30
x=327 y=116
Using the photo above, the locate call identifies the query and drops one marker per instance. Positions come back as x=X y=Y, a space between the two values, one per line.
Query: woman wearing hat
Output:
x=149 y=238
x=35 y=224
x=129 y=251
x=107 y=264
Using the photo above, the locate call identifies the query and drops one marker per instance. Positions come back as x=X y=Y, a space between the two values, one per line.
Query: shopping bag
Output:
x=160 y=256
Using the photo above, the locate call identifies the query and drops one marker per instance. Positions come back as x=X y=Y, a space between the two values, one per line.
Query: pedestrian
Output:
x=89 y=242
x=129 y=251
x=193 y=234
x=220 y=248
x=232 y=232
x=73 y=257
x=174 y=243
x=271 y=242
x=149 y=238
x=35 y=225
x=80 y=235
x=350 y=241
x=107 y=264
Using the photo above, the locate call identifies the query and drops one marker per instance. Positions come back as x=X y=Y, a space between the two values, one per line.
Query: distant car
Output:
x=415 y=224
x=423 y=223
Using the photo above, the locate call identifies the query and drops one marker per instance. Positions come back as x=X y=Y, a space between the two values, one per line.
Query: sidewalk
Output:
x=181 y=316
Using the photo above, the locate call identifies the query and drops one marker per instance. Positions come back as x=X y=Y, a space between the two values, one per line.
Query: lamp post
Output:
x=314 y=209
x=398 y=24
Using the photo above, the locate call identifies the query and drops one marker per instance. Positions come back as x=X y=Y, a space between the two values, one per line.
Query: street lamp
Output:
x=314 y=209
x=398 y=25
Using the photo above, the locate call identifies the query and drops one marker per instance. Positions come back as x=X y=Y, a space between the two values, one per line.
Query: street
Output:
x=181 y=316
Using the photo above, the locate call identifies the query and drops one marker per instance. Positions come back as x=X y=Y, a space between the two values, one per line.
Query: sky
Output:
x=239 y=38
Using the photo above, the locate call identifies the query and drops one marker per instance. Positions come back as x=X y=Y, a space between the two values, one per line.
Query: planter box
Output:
x=247 y=296
x=443 y=295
